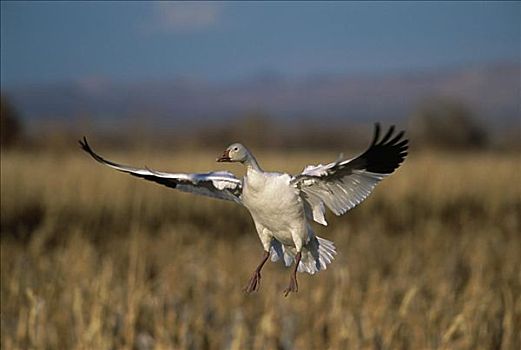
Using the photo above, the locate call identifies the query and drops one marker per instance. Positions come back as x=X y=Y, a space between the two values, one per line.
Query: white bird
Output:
x=281 y=204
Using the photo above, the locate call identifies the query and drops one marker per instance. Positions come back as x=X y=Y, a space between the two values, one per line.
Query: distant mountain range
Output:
x=492 y=91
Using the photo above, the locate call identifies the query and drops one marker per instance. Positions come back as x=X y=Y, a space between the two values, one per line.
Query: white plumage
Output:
x=281 y=204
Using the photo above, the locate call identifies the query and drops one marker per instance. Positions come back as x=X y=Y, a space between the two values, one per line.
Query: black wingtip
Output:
x=385 y=155
x=397 y=137
x=387 y=135
x=83 y=143
x=376 y=134
x=86 y=147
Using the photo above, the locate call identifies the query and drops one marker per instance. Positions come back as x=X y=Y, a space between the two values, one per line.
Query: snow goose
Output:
x=281 y=204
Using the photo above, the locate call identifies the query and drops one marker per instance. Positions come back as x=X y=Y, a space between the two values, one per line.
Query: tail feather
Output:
x=316 y=254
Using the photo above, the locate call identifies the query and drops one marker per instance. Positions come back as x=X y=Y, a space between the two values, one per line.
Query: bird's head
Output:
x=234 y=153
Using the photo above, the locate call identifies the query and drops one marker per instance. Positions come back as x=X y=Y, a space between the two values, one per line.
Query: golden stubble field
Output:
x=94 y=259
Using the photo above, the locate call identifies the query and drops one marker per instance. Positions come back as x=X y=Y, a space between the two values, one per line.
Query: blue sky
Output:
x=43 y=42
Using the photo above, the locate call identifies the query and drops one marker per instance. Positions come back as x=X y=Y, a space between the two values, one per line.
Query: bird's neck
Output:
x=251 y=163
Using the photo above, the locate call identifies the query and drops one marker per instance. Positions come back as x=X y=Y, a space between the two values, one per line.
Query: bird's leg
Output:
x=254 y=283
x=293 y=285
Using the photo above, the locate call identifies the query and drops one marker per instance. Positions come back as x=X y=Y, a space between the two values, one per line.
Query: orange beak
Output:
x=225 y=157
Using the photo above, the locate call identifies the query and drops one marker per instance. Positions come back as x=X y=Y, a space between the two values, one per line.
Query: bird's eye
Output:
x=236 y=149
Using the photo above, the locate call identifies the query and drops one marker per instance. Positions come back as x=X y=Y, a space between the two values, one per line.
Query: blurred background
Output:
x=273 y=75
x=93 y=259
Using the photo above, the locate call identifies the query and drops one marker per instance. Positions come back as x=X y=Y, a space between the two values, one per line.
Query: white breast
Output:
x=273 y=202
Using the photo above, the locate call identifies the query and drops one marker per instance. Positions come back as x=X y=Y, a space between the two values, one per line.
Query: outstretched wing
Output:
x=342 y=185
x=222 y=184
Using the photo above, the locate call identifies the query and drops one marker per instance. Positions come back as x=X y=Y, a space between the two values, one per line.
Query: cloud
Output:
x=185 y=16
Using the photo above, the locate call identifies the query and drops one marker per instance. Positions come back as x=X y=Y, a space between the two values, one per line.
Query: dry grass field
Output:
x=95 y=259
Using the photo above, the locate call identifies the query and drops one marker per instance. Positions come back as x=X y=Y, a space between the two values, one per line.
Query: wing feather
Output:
x=343 y=184
x=222 y=184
